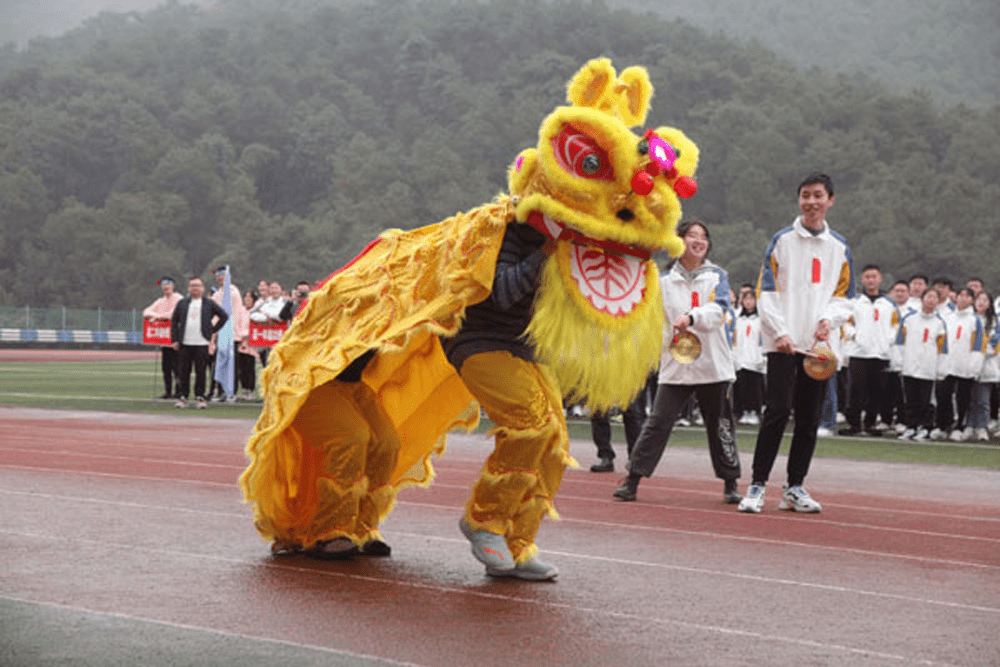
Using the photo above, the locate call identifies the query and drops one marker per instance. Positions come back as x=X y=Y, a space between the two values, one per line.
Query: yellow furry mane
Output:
x=600 y=360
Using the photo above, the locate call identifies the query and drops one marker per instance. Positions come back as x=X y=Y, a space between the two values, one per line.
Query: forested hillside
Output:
x=283 y=140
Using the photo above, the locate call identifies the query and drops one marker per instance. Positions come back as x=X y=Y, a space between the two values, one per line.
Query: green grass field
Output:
x=131 y=386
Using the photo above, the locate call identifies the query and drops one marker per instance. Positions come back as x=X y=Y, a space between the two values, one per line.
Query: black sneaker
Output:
x=340 y=548
x=376 y=548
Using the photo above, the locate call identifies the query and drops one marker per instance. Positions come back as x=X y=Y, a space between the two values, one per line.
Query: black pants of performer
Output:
x=670 y=400
x=246 y=371
x=168 y=365
x=894 y=401
x=189 y=355
x=787 y=388
x=748 y=392
x=633 y=419
x=961 y=389
x=919 y=411
x=867 y=391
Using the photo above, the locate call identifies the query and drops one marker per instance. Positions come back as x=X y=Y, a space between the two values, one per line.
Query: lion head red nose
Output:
x=642 y=183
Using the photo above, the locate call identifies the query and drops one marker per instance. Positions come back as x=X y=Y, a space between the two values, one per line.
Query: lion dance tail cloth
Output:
x=360 y=392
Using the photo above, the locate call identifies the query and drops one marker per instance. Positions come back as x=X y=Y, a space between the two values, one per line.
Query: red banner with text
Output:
x=265 y=335
x=156 y=332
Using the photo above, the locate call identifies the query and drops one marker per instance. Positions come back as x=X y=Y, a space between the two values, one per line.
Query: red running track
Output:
x=124 y=537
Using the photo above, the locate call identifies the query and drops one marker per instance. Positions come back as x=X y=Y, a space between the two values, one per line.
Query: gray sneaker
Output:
x=753 y=501
x=532 y=569
x=489 y=549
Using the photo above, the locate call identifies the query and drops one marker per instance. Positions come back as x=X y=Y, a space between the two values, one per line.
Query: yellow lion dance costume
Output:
x=360 y=392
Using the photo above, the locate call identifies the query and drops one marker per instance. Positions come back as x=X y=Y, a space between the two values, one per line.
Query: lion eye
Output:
x=580 y=155
x=591 y=164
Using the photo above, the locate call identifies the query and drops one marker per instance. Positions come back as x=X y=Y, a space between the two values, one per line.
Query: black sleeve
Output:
x=518 y=265
x=287 y=310
x=175 y=323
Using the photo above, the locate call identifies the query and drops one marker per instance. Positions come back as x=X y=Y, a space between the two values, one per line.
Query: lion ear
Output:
x=590 y=86
x=522 y=171
x=634 y=93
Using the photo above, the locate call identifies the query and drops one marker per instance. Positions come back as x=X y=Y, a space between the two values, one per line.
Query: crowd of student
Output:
x=917 y=362
x=195 y=347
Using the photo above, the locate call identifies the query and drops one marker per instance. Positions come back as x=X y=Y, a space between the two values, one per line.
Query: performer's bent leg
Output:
x=380 y=461
x=352 y=450
x=521 y=476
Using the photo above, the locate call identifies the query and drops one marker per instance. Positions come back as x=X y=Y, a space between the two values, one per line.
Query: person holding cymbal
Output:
x=696 y=361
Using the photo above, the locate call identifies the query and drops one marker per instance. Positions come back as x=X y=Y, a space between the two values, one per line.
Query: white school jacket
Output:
x=875 y=322
x=748 y=349
x=923 y=344
x=966 y=343
x=895 y=351
x=805 y=278
x=704 y=294
x=991 y=360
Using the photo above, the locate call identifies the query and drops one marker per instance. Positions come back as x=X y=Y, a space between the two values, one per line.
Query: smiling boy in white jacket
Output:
x=806 y=280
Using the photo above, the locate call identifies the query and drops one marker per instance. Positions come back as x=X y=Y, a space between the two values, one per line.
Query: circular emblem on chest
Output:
x=613 y=284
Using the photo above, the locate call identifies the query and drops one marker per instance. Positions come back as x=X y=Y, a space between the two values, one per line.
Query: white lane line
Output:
x=203 y=629
x=124 y=399
x=747 y=538
x=616 y=561
x=138 y=459
x=623 y=526
x=10 y=466
x=630 y=617
x=781 y=516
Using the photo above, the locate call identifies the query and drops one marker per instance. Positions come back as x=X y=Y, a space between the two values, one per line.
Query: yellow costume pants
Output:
x=519 y=479
x=353 y=450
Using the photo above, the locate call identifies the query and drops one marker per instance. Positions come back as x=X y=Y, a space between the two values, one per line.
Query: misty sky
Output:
x=23 y=19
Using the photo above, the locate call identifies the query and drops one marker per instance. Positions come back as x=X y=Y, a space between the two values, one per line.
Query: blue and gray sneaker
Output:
x=796 y=498
x=753 y=501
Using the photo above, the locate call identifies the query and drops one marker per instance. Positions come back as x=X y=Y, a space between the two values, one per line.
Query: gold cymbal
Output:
x=820 y=362
x=685 y=347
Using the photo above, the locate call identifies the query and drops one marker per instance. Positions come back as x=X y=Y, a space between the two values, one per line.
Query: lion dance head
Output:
x=610 y=198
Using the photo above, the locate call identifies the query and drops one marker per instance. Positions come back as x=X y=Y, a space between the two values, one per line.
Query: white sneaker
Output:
x=982 y=435
x=753 y=419
x=921 y=435
x=841 y=418
x=797 y=499
x=968 y=434
x=901 y=428
x=753 y=501
x=682 y=422
x=907 y=434
x=937 y=434
x=957 y=436
x=824 y=432
x=744 y=418
x=992 y=426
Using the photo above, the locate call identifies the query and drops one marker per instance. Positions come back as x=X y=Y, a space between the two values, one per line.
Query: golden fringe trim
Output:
x=368 y=306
